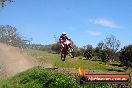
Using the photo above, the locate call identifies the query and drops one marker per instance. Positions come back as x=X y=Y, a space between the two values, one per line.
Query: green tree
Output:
x=111 y=43
x=107 y=49
x=10 y=36
x=125 y=56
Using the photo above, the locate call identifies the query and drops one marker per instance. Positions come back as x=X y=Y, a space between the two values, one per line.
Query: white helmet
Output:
x=63 y=33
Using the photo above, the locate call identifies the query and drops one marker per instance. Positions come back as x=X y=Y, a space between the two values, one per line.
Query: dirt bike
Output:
x=67 y=51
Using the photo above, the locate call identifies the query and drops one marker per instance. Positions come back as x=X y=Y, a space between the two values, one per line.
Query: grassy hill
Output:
x=42 y=78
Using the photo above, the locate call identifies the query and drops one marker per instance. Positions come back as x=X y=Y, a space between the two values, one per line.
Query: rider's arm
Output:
x=68 y=38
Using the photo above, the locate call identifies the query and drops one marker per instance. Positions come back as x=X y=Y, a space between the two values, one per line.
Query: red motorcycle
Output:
x=67 y=50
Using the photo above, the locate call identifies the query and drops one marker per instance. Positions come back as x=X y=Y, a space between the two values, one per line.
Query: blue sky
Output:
x=85 y=21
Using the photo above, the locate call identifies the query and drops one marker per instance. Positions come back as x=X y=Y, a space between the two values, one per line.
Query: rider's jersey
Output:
x=63 y=39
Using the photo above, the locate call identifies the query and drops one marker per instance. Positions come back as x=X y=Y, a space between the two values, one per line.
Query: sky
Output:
x=84 y=21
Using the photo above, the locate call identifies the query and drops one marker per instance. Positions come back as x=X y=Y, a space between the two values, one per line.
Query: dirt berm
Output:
x=13 y=60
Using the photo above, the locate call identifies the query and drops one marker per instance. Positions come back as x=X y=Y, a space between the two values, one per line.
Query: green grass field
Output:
x=74 y=62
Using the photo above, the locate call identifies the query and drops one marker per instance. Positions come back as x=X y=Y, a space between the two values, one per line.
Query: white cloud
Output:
x=93 y=33
x=105 y=22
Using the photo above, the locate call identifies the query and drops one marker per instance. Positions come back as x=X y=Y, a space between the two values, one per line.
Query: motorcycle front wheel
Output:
x=72 y=54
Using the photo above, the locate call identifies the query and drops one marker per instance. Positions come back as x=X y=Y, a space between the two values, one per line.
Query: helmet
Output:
x=63 y=33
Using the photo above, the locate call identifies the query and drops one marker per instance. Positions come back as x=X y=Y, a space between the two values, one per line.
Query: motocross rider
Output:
x=63 y=39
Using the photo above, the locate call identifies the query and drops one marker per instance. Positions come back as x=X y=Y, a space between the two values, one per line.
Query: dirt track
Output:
x=13 y=61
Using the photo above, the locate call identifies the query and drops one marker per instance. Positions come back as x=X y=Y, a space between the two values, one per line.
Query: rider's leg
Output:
x=62 y=46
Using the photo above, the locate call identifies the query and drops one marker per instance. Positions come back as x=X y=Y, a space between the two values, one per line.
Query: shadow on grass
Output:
x=91 y=59
x=118 y=70
x=99 y=60
x=86 y=59
x=119 y=65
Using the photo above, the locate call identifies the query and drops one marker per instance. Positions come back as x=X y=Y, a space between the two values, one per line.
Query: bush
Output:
x=104 y=55
x=88 y=54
